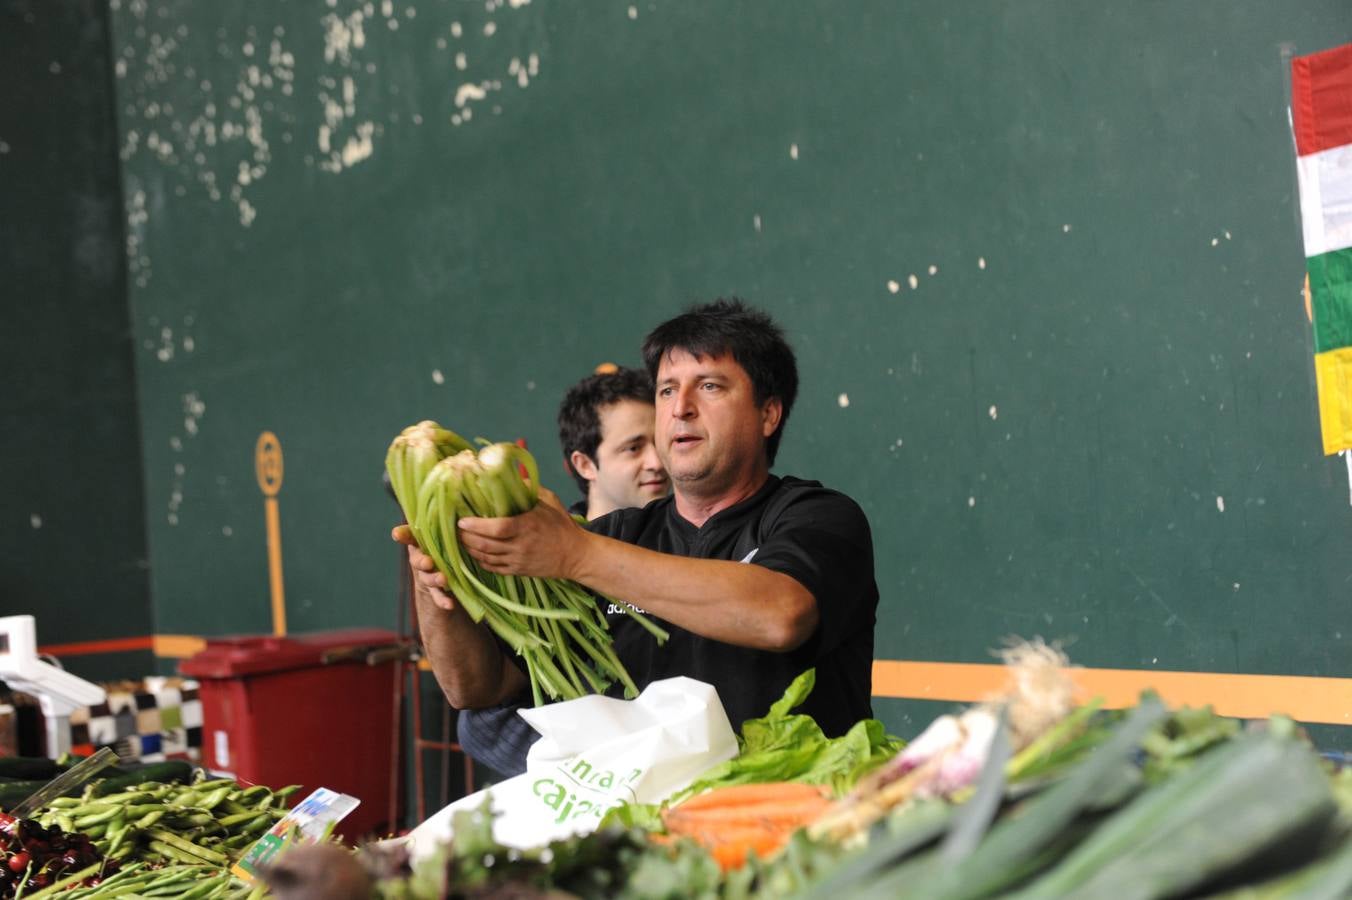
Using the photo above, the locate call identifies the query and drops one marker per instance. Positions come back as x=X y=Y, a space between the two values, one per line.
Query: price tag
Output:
x=309 y=822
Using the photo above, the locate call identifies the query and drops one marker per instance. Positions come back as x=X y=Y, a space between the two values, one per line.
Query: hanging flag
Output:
x=1321 y=115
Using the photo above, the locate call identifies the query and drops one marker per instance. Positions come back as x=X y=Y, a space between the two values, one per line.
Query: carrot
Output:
x=732 y=854
x=750 y=834
x=746 y=794
x=765 y=815
x=730 y=846
x=730 y=822
x=730 y=834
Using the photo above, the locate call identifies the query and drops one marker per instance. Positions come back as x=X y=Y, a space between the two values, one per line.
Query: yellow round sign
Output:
x=268 y=463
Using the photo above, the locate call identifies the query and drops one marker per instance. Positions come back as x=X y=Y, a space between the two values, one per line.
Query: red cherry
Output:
x=19 y=861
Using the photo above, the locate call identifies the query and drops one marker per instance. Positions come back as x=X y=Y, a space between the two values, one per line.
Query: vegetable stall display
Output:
x=208 y=822
x=1141 y=804
x=554 y=625
x=1250 y=814
x=1004 y=799
x=125 y=836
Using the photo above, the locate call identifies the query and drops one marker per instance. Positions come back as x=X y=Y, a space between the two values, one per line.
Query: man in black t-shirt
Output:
x=816 y=536
x=756 y=577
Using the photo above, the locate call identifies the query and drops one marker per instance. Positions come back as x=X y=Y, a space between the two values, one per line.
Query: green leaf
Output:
x=797 y=692
x=647 y=816
x=782 y=746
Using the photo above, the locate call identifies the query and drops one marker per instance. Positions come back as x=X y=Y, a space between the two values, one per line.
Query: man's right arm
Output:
x=468 y=662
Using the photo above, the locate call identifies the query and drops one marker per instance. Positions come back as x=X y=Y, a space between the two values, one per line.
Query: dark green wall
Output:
x=1105 y=435
x=72 y=532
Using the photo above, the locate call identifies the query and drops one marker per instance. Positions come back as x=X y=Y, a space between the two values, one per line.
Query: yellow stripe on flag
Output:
x=1333 y=374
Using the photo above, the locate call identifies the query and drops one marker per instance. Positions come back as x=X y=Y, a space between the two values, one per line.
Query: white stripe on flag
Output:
x=1326 y=199
x=1347 y=455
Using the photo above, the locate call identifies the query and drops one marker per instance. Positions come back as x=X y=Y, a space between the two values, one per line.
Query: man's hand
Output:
x=427 y=579
x=468 y=663
x=544 y=543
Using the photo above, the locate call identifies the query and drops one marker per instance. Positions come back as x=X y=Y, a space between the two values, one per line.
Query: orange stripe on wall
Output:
x=178 y=646
x=1303 y=698
x=88 y=648
x=168 y=645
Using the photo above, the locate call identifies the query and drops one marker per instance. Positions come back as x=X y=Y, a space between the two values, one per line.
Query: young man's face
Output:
x=627 y=471
x=711 y=433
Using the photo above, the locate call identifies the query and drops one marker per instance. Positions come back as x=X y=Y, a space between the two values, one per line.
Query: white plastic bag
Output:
x=595 y=753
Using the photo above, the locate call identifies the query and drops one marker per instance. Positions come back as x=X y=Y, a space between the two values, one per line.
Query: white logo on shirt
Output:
x=749 y=556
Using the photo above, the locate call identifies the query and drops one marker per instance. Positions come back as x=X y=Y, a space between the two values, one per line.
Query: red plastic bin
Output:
x=303 y=709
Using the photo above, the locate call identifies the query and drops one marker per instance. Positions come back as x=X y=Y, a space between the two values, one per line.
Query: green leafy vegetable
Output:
x=784 y=746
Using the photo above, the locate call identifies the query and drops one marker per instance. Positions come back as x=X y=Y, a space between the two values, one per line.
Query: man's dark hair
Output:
x=751 y=336
x=580 y=412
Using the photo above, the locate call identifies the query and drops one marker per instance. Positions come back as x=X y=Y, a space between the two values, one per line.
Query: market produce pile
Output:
x=782 y=750
x=1026 y=796
x=553 y=624
x=208 y=822
x=1137 y=803
x=129 y=834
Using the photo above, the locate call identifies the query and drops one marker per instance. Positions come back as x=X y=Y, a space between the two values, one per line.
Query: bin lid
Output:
x=234 y=656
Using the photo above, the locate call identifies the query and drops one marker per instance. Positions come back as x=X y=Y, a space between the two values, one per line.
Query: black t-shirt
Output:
x=816 y=536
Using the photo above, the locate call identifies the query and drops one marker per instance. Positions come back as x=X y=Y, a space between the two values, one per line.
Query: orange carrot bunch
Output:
x=731 y=822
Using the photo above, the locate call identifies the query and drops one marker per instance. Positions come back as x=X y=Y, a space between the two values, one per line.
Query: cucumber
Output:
x=28 y=768
x=174 y=770
x=15 y=792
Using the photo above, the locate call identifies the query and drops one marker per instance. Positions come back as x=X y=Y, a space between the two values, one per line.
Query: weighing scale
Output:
x=59 y=693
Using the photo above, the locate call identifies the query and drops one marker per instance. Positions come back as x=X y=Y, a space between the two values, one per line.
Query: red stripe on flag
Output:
x=1321 y=99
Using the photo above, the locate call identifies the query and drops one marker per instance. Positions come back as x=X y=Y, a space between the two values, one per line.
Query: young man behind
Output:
x=606 y=432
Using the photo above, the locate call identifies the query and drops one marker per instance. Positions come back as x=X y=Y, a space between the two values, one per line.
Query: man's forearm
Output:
x=737 y=603
x=468 y=663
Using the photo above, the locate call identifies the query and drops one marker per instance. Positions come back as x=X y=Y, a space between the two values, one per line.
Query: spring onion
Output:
x=553 y=624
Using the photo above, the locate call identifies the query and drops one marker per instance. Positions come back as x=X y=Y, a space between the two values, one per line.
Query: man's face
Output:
x=628 y=471
x=710 y=431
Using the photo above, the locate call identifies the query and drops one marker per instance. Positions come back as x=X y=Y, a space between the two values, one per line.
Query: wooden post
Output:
x=268 y=467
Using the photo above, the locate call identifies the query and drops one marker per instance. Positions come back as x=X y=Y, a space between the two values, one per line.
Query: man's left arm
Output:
x=732 y=602
x=736 y=603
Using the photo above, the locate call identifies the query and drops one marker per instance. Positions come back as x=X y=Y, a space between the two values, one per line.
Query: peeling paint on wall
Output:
x=225 y=141
x=193 y=410
x=219 y=140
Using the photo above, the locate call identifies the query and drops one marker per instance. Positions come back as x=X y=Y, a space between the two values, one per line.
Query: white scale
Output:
x=59 y=693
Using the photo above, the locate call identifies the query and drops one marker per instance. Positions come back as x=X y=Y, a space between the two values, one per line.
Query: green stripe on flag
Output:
x=1331 y=299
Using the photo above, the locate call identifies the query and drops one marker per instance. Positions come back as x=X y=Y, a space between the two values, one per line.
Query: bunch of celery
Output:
x=555 y=625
